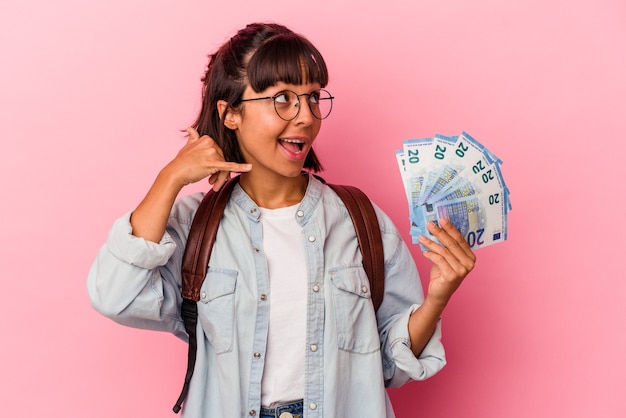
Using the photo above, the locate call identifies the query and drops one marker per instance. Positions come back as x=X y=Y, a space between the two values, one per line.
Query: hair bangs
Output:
x=286 y=58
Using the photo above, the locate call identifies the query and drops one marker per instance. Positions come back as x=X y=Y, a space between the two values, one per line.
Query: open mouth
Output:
x=292 y=145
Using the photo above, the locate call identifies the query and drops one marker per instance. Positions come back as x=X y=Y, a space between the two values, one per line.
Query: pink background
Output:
x=93 y=95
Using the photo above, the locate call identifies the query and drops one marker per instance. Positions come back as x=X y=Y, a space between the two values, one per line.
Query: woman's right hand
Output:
x=201 y=157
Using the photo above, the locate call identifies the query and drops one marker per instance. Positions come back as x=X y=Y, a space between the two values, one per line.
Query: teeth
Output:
x=299 y=144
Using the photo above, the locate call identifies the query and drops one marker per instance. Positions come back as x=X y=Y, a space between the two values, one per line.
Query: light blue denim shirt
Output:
x=352 y=352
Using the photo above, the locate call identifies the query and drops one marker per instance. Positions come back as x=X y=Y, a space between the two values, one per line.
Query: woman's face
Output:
x=272 y=145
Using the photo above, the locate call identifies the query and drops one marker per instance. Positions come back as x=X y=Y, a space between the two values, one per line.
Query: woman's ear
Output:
x=227 y=115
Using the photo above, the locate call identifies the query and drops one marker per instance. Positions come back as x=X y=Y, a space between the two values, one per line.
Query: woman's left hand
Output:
x=452 y=260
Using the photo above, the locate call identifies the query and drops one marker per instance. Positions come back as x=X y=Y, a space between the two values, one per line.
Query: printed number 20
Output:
x=475 y=238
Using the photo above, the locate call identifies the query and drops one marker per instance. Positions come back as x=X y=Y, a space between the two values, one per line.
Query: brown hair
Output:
x=260 y=55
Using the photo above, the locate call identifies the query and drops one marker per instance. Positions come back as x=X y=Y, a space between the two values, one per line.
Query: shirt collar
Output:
x=305 y=209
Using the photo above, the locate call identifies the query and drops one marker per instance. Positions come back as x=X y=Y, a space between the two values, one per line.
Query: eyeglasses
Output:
x=287 y=103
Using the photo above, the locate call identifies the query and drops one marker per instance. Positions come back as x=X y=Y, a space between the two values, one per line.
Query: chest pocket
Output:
x=216 y=308
x=355 y=318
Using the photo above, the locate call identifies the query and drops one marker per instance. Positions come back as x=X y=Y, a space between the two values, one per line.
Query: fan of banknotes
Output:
x=457 y=178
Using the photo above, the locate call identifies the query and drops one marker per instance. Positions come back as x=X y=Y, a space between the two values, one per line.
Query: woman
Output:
x=285 y=323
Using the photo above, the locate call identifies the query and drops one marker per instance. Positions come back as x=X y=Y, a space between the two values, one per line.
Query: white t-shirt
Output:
x=283 y=375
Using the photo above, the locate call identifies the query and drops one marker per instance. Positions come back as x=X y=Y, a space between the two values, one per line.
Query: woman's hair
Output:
x=260 y=55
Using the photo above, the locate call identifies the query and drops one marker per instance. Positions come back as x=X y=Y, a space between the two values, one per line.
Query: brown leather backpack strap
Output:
x=368 y=234
x=196 y=258
x=201 y=238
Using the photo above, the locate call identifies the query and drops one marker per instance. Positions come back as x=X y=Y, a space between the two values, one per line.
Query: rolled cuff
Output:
x=137 y=251
x=409 y=367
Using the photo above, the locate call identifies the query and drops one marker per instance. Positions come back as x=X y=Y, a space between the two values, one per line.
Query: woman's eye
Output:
x=282 y=97
x=314 y=97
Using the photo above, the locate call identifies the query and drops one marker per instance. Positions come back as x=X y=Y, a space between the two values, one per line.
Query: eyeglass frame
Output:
x=330 y=97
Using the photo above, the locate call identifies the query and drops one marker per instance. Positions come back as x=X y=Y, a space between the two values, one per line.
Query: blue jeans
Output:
x=295 y=408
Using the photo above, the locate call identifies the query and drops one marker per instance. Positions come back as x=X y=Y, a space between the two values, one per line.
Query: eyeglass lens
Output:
x=287 y=104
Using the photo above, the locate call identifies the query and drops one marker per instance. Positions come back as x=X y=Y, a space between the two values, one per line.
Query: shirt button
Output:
x=300 y=214
x=252 y=413
x=257 y=355
x=313 y=347
x=263 y=296
x=311 y=238
x=203 y=295
x=312 y=405
x=316 y=288
x=364 y=289
x=286 y=415
x=252 y=211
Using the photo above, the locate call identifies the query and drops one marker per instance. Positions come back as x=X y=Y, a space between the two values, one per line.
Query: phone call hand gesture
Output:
x=200 y=158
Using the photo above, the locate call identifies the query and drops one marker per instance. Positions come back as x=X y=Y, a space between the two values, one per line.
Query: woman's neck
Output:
x=274 y=193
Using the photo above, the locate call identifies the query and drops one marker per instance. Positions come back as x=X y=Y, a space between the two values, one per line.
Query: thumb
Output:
x=193 y=134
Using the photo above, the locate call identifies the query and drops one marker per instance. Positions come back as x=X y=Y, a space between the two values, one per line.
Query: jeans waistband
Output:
x=294 y=408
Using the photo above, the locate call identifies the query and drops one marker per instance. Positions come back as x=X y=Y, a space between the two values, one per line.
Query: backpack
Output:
x=202 y=236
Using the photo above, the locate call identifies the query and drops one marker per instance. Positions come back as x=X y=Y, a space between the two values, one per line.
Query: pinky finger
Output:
x=219 y=179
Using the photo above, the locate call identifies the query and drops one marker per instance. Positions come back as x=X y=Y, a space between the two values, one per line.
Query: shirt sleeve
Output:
x=407 y=366
x=137 y=282
x=403 y=296
x=126 y=247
